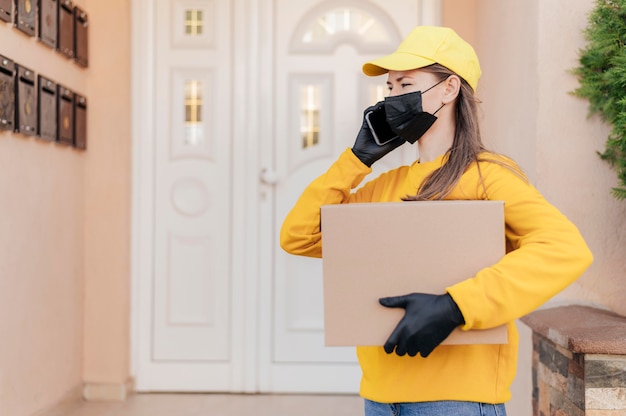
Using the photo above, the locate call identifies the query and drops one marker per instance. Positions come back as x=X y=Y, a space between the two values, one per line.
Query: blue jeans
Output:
x=442 y=408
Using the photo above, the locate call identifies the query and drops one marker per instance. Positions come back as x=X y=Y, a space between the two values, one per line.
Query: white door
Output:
x=185 y=331
x=320 y=95
x=238 y=104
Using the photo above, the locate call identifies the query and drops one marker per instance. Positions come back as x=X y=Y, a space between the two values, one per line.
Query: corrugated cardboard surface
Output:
x=374 y=250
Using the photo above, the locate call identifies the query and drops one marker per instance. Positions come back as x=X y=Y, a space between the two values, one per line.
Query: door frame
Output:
x=142 y=131
x=252 y=200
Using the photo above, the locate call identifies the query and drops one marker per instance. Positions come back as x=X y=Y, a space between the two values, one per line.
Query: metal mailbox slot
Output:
x=6 y=10
x=26 y=16
x=7 y=94
x=47 y=109
x=80 y=121
x=25 y=101
x=48 y=22
x=65 y=120
x=65 y=37
x=81 y=26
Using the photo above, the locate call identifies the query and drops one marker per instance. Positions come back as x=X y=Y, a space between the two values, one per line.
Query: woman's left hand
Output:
x=427 y=321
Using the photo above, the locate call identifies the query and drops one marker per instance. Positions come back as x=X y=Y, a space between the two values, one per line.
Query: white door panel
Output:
x=189 y=345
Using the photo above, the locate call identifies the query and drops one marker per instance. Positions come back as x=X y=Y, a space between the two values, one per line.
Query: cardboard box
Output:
x=374 y=250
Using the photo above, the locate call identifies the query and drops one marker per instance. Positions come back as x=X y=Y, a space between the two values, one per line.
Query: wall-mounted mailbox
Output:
x=48 y=19
x=81 y=31
x=6 y=10
x=80 y=121
x=65 y=120
x=26 y=16
x=25 y=101
x=47 y=109
x=65 y=37
x=7 y=94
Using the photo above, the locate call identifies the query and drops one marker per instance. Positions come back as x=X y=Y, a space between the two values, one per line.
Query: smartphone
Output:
x=377 y=122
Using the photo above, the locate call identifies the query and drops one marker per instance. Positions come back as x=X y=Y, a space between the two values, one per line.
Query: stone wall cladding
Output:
x=575 y=371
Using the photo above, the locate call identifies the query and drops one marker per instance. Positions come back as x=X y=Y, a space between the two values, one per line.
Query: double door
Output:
x=240 y=104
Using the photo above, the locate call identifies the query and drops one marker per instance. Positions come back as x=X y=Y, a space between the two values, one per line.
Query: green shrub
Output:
x=602 y=77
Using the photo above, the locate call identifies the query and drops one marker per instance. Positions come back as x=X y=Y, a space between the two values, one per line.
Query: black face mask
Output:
x=405 y=115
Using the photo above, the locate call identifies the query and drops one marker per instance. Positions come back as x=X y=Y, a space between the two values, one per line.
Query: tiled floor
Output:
x=219 y=405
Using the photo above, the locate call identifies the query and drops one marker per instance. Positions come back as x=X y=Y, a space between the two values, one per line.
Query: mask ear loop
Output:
x=439 y=108
x=431 y=89
x=434 y=85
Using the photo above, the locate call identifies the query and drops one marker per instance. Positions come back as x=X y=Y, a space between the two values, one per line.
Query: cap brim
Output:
x=397 y=61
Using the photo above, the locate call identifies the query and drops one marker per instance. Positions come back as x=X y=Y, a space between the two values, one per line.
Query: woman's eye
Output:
x=405 y=85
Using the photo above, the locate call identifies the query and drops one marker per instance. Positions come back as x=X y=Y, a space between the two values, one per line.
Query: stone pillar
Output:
x=579 y=362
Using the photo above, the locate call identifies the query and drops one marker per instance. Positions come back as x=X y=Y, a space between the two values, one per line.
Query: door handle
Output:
x=268 y=177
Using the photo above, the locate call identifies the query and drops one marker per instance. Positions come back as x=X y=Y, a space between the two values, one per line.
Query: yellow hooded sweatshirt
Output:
x=545 y=254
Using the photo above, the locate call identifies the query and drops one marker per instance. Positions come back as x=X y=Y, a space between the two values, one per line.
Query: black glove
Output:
x=427 y=321
x=365 y=148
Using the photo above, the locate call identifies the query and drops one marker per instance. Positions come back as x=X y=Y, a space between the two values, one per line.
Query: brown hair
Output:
x=466 y=146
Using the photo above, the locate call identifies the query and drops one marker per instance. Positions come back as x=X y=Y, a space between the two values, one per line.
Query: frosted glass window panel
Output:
x=339 y=20
x=310 y=115
x=193 y=113
x=194 y=22
x=191 y=118
x=377 y=93
x=363 y=25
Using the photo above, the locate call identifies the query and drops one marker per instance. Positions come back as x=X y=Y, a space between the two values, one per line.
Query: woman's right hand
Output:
x=365 y=148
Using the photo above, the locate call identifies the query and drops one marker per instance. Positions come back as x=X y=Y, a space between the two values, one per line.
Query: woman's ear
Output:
x=452 y=86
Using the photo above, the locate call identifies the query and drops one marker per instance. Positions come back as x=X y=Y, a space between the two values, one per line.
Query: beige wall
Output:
x=504 y=35
x=107 y=197
x=568 y=170
x=41 y=256
x=64 y=228
x=527 y=49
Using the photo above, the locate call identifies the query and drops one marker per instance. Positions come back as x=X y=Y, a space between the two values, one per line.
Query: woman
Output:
x=432 y=77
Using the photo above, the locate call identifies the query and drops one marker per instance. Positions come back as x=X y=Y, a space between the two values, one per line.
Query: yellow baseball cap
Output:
x=427 y=45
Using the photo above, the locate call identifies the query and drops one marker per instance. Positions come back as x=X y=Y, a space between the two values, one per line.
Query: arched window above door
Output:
x=359 y=23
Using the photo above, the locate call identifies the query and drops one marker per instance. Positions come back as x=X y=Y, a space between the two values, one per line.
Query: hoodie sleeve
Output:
x=548 y=253
x=300 y=233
